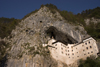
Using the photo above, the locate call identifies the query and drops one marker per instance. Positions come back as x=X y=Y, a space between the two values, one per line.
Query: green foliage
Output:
x=91 y=13
x=90 y=63
x=51 y=7
x=93 y=30
x=65 y=14
x=3 y=47
x=7 y=25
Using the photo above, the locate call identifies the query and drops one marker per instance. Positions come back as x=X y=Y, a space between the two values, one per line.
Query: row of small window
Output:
x=89 y=52
x=88 y=42
x=66 y=50
x=77 y=52
x=73 y=57
x=87 y=47
x=76 y=48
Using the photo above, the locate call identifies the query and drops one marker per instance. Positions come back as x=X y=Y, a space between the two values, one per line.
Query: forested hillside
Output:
x=7 y=25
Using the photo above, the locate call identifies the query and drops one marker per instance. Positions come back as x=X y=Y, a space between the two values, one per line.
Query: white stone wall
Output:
x=70 y=53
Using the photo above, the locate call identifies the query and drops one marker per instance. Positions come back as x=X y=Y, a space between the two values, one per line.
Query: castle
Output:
x=70 y=53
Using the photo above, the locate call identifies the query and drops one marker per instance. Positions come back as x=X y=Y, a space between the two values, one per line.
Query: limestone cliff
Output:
x=27 y=38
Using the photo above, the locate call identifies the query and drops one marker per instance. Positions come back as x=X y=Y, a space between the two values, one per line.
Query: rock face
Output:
x=59 y=36
x=91 y=20
x=27 y=39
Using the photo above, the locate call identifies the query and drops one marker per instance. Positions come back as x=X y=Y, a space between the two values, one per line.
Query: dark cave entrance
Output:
x=52 y=35
x=59 y=36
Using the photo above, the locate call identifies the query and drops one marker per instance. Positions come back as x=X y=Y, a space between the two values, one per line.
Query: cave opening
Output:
x=59 y=36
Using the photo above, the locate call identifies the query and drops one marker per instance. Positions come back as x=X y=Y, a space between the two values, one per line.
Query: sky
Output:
x=19 y=8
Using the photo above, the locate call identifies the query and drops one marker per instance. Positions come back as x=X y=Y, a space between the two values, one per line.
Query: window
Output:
x=55 y=44
x=76 y=48
x=90 y=46
x=88 y=52
x=71 y=46
x=86 y=47
x=66 y=53
x=72 y=50
x=86 y=43
x=62 y=52
x=83 y=50
x=82 y=45
x=84 y=54
x=62 y=48
x=77 y=52
x=68 y=50
x=77 y=56
x=89 y=42
x=69 y=57
x=72 y=53
x=91 y=51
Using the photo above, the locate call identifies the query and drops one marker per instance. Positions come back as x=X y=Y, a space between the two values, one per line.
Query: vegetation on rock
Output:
x=90 y=62
x=7 y=25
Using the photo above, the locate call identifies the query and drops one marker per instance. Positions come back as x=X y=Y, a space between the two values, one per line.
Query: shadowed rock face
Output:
x=60 y=36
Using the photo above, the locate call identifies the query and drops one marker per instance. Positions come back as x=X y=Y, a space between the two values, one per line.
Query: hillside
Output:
x=7 y=25
x=21 y=42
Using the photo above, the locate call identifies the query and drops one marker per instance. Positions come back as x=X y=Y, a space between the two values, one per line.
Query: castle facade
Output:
x=71 y=53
